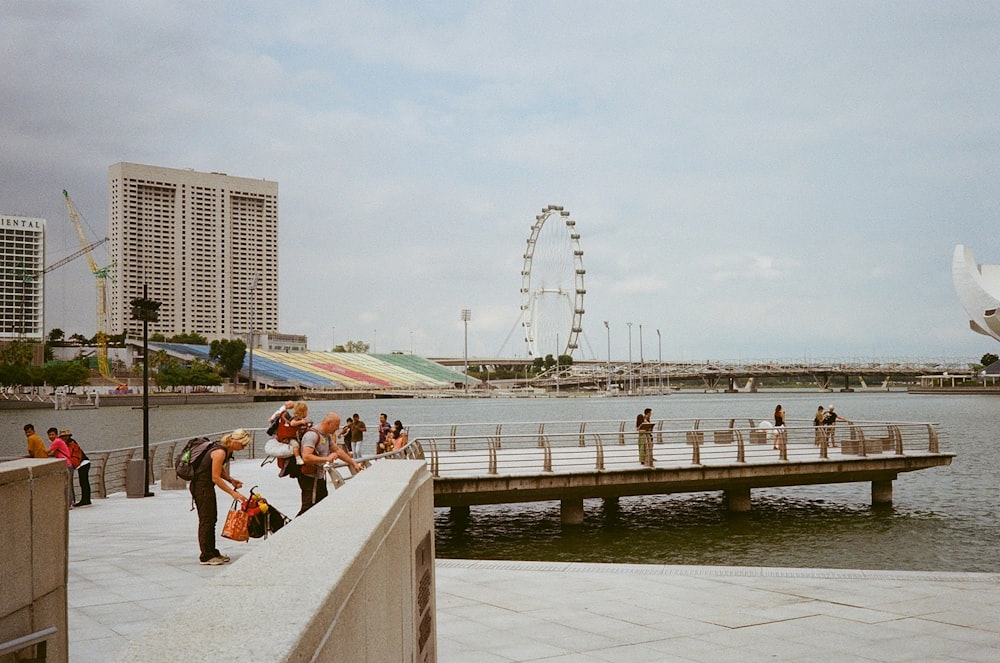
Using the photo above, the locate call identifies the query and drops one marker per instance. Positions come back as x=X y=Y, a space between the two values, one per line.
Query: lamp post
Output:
x=145 y=309
x=557 y=363
x=607 y=327
x=466 y=316
x=630 y=383
x=253 y=317
x=333 y=337
x=642 y=364
x=659 y=363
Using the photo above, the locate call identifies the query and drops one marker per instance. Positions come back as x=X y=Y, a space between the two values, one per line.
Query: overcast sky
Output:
x=767 y=180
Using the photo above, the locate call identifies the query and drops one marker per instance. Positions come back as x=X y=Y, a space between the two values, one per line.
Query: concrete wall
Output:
x=351 y=580
x=34 y=540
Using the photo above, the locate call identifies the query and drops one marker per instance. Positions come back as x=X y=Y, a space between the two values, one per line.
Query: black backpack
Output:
x=190 y=456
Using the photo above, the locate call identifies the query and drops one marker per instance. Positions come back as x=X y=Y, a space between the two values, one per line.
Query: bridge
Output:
x=660 y=377
x=570 y=462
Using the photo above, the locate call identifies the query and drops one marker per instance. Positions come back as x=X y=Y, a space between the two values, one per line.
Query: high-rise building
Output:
x=204 y=245
x=22 y=301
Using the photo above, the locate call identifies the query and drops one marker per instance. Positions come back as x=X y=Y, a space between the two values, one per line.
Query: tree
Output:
x=56 y=335
x=191 y=338
x=356 y=346
x=158 y=337
x=199 y=373
x=229 y=355
x=78 y=339
x=989 y=358
x=72 y=373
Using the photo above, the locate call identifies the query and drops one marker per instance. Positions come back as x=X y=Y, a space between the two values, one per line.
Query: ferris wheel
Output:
x=552 y=285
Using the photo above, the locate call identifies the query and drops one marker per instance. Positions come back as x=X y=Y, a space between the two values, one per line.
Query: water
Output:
x=942 y=519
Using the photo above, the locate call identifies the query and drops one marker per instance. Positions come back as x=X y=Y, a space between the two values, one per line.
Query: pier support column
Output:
x=737 y=500
x=882 y=492
x=459 y=514
x=571 y=511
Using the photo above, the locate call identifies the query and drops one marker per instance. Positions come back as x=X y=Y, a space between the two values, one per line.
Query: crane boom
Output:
x=101 y=274
x=73 y=256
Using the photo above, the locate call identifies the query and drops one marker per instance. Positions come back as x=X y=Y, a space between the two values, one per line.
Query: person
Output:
x=211 y=471
x=645 y=428
x=291 y=425
x=345 y=433
x=319 y=448
x=358 y=429
x=81 y=463
x=818 y=425
x=383 y=428
x=399 y=436
x=59 y=449
x=36 y=446
x=779 y=426
x=830 y=422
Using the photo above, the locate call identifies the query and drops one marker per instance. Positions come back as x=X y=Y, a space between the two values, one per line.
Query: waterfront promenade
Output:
x=133 y=561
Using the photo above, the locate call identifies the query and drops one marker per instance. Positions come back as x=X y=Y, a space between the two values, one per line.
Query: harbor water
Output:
x=942 y=519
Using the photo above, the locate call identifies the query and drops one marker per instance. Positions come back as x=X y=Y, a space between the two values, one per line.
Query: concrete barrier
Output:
x=33 y=547
x=352 y=579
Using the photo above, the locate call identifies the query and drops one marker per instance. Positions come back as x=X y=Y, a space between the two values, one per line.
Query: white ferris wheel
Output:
x=552 y=285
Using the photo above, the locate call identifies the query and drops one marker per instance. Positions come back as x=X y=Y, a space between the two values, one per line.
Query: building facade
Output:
x=204 y=245
x=22 y=278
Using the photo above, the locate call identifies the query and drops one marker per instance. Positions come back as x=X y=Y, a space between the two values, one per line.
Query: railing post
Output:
x=621 y=434
x=453 y=446
x=859 y=435
x=493 y=458
x=741 y=454
x=932 y=439
x=547 y=463
x=696 y=449
x=583 y=439
x=600 y=452
x=541 y=435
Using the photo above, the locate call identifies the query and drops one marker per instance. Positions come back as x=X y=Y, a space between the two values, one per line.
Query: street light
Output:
x=145 y=309
x=642 y=364
x=659 y=363
x=608 y=328
x=253 y=315
x=630 y=383
x=466 y=316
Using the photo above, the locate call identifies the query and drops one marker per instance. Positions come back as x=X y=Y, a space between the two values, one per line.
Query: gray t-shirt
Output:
x=322 y=446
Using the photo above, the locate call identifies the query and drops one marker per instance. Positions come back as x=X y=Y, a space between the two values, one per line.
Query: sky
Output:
x=757 y=181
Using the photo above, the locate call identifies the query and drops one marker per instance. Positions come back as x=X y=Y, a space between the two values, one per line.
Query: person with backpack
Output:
x=81 y=463
x=210 y=470
x=319 y=448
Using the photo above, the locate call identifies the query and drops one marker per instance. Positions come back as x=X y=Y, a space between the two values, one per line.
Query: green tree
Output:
x=191 y=338
x=78 y=339
x=158 y=337
x=198 y=374
x=356 y=346
x=229 y=355
x=989 y=358
x=56 y=335
x=73 y=373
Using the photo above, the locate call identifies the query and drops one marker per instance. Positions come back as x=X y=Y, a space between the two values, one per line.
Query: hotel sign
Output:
x=21 y=223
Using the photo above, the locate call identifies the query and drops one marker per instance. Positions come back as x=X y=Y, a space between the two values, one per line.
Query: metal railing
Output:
x=528 y=447
x=591 y=450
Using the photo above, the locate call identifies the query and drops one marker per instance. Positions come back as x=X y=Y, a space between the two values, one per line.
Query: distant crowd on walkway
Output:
x=62 y=445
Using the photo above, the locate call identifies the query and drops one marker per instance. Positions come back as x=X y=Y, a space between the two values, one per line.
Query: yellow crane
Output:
x=101 y=274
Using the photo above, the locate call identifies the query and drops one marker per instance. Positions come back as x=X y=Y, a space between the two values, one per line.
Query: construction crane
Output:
x=73 y=256
x=101 y=274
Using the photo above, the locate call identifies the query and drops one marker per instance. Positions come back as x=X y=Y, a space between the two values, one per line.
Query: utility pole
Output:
x=608 y=329
x=466 y=316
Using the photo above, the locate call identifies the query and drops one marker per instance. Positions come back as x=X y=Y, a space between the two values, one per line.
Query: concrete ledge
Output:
x=35 y=527
x=352 y=579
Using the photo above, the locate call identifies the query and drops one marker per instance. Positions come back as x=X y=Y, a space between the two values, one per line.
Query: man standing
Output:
x=383 y=428
x=830 y=421
x=358 y=429
x=36 y=446
x=319 y=447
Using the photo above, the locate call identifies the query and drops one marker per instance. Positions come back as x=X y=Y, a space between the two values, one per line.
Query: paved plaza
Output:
x=133 y=561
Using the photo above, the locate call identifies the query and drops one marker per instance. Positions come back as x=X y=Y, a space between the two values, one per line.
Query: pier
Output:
x=603 y=460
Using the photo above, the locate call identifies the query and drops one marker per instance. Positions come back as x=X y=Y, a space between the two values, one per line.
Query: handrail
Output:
x=108 y=467
x=37 y=638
